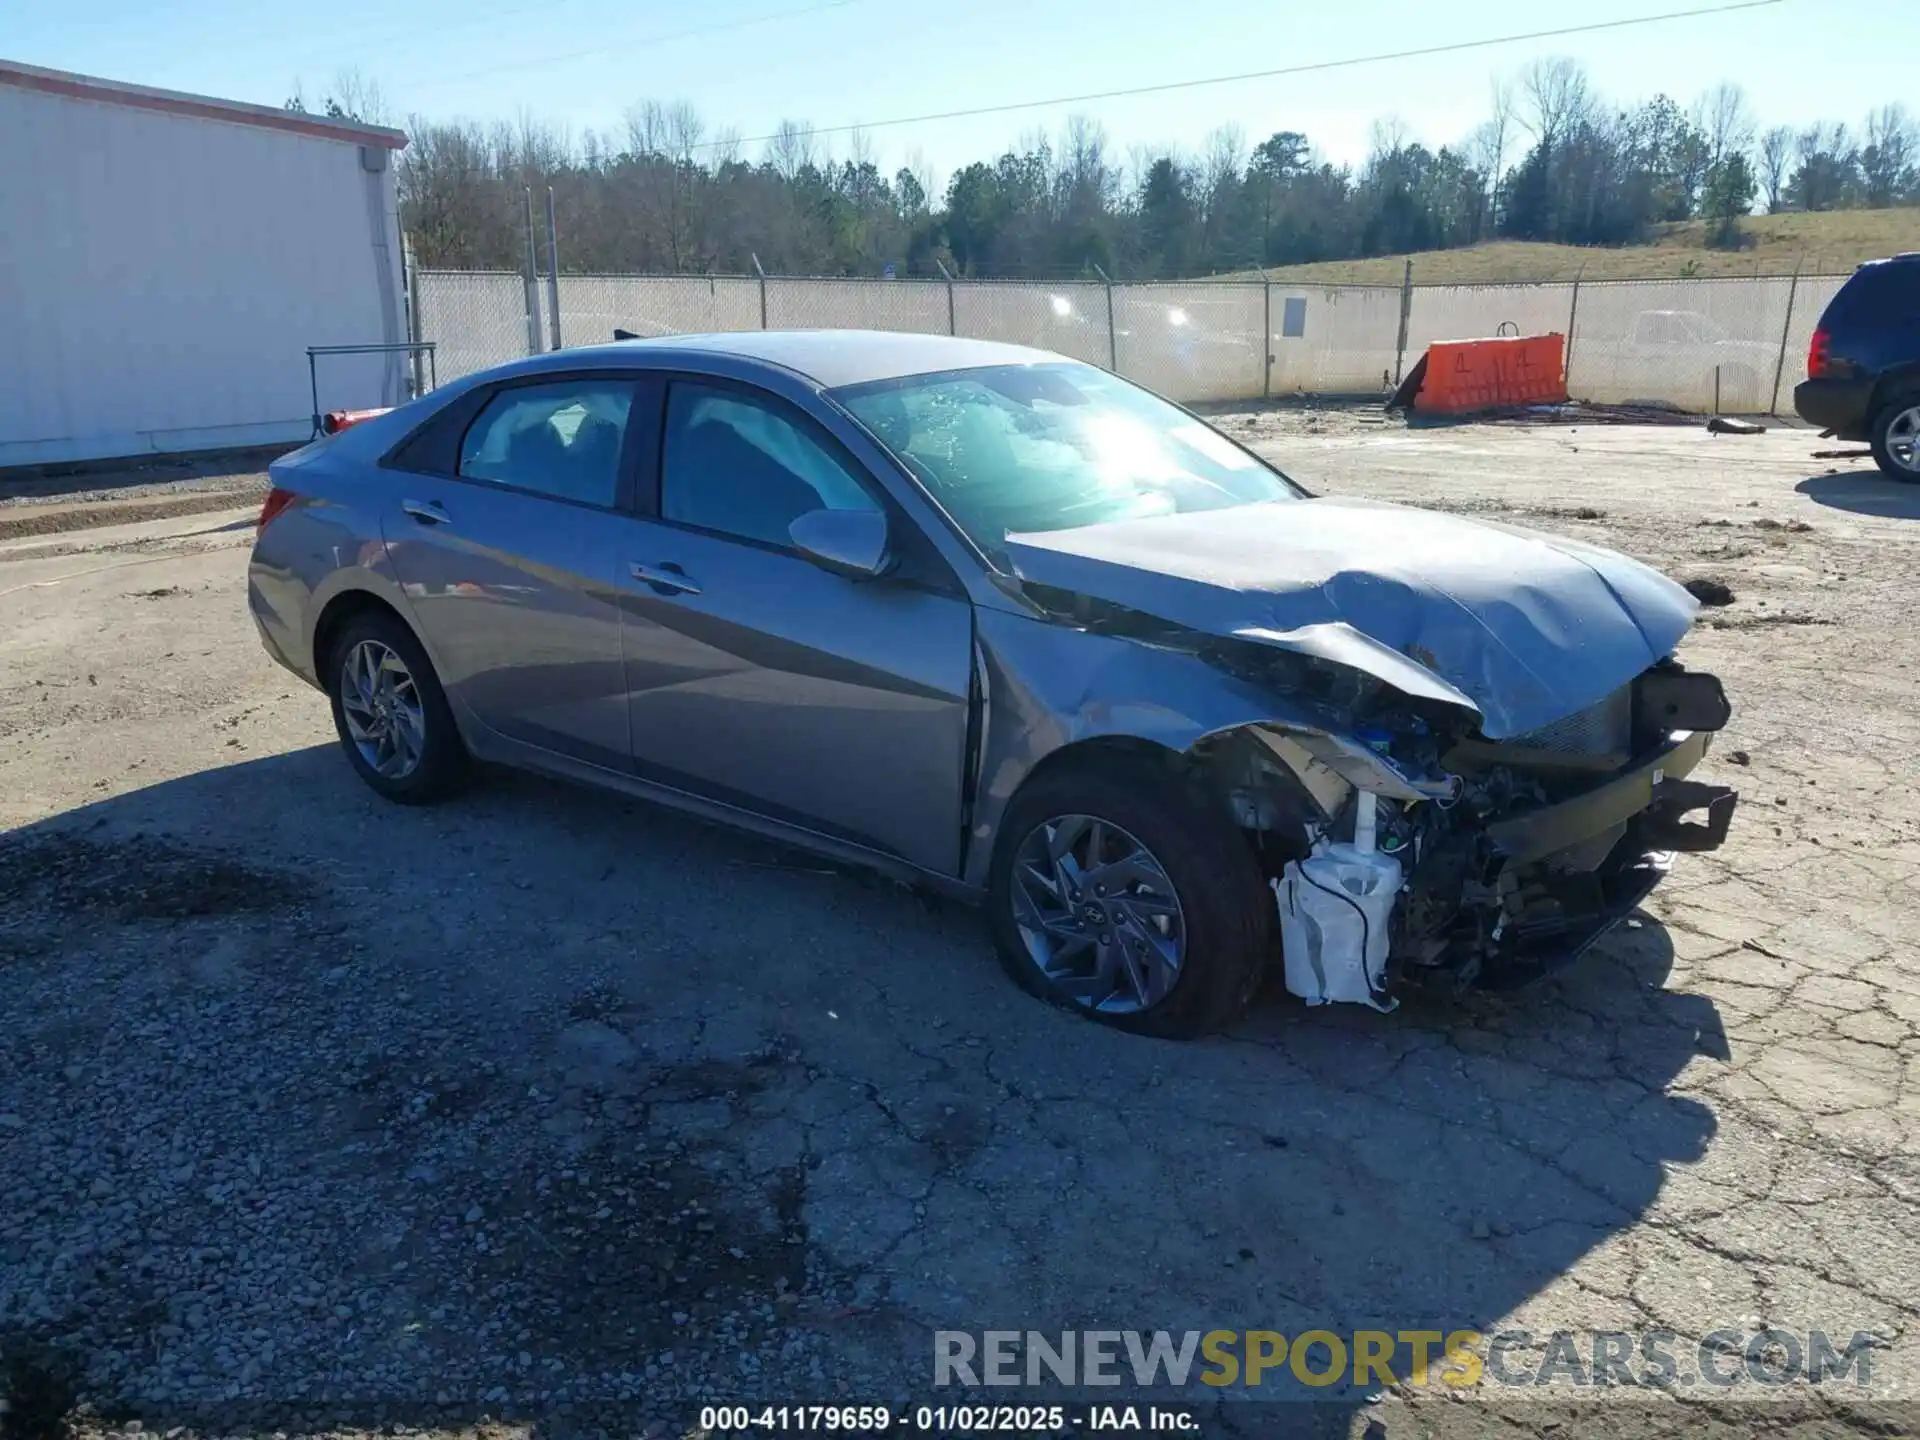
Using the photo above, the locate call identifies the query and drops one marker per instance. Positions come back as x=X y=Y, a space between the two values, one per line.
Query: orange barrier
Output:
x=1466 y=375
x=334 y=421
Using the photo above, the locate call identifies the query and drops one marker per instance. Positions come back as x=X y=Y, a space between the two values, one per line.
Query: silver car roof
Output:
x=829 y=358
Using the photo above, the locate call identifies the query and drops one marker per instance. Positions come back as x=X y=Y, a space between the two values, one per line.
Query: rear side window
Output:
x=1886 y=294
x=562 y=439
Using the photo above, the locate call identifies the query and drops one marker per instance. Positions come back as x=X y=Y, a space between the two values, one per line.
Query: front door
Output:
x=755 y=677
x=509 y=565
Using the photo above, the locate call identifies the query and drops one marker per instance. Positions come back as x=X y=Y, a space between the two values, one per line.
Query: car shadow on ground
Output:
x=544 y=1097
x=1864 y=492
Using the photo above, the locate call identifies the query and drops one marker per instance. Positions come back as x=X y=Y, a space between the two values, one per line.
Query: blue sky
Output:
x=583 y=63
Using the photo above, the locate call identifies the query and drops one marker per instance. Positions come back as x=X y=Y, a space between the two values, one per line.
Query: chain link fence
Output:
x=1732 y=344
x=475 y=318
x=592 y=307
x=1192 y=342
x=1699 y=345
x=1068 y=318
x=1336 y=340
x=911 y=305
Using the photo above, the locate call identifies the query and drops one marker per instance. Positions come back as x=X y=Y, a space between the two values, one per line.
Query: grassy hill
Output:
x=1830 y=243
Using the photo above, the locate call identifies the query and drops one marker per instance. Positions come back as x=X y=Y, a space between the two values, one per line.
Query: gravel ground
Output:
x=547 y=1110
x=67 y=499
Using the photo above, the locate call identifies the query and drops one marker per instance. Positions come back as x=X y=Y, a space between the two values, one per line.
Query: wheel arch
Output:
x=1157 y=798
x=1896 y=382
x=1272 y=798
x=1095 y=749
x=1055 y=696
x=341 y=611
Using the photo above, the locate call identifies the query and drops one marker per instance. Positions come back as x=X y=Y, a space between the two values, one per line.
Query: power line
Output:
x=1448 y=49
x=603 y=48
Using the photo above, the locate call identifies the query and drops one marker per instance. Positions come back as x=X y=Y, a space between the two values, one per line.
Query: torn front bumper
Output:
x=1552 y=914
x=1655 y=789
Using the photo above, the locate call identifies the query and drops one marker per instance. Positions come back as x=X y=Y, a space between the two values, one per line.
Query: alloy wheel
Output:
x=1903 y=439
x=1098 y=914
x=381 y=706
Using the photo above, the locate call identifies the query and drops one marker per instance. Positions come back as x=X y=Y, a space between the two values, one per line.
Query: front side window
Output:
x=736 y=464
x=561 y=439
x=1007 y=449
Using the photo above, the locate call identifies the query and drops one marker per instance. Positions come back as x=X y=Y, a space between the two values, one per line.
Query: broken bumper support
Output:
x=1664 y=826
x=1650 y=804
x=1653 y=785
x=1534 y=952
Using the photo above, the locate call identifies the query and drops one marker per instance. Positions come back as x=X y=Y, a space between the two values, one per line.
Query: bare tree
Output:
x=793 y=148
x=686 y=133
x=647 y=129
x=1221 y=162
x=1387 y=136
x=1556 y=98
x=350 y=95
x=1087 y=179
x=1776 y=160
x=924 y=174
x=1487 y=150
x=1723 y=116
x=1035 y=141
x=1887 y=159
x=665 y=161
x=1223 y=157
x=723 y=148
x=454 y=206
x=1826 y=170
x=860 y=150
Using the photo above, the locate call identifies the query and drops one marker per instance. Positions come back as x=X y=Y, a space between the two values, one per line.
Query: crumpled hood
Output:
x=1523 y=627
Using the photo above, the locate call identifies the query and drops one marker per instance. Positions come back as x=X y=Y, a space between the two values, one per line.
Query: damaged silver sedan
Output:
x=985 y=618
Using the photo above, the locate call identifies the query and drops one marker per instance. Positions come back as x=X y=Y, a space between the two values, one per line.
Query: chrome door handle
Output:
x=427 y=512
x=668 y=579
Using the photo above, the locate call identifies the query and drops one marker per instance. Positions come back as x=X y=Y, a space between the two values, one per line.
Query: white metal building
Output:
x=166 y=260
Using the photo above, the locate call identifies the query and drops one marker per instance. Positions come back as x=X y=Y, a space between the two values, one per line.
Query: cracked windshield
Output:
x=1010 y=449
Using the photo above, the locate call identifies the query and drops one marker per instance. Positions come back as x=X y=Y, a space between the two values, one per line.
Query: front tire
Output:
x=391 y=714
x=1117 y=890
x=1895 y=437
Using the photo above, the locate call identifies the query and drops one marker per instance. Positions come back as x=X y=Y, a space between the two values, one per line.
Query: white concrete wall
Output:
x=1733 y=328
x=162 y=275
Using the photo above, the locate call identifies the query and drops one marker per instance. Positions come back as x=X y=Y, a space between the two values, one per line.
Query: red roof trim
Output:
x=204 y=107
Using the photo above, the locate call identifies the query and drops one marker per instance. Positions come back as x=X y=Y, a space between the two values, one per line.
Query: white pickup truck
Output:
x=1673 y=355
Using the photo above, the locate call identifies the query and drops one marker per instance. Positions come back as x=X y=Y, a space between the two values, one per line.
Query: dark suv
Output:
x=1863 y=368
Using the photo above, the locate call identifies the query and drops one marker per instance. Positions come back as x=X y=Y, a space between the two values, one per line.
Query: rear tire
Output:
x=391 y=714
x=1224 y=911
x=1895 y=437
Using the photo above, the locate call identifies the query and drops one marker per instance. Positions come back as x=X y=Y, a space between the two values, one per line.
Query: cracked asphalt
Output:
x=548 y=1111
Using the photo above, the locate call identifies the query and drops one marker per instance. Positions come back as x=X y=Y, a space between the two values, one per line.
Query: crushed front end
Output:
x=1548 y=839
x=1505 y=859
x=1474 y=744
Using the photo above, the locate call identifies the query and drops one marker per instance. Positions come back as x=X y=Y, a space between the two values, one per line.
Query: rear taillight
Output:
x=1817 y=354
x=277 y=500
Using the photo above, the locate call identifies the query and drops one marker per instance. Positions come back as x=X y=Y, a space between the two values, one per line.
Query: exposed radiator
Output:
x=1606 y=728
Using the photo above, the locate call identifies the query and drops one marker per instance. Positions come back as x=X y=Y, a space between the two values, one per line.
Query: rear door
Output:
x=758 y=679
x=508 y=558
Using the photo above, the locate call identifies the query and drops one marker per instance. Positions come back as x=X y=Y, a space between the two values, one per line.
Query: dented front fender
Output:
x=1046 y=686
